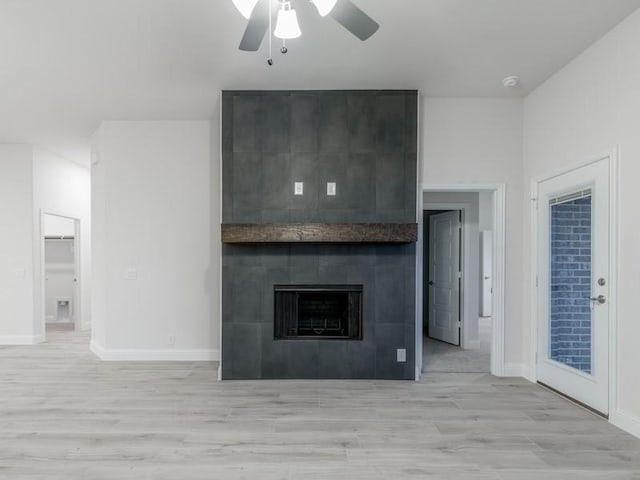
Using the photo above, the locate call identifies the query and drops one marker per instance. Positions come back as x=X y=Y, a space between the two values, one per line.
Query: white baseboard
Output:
x=528 y=373
x=627 y=422
x=21 y=339
x=514 y=370
x=142 y=355
x=472 y=345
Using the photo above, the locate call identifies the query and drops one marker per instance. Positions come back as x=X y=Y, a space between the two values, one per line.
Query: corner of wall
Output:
x=515 y=370
x=628 y=422
x=519 y=370
x=216 y=215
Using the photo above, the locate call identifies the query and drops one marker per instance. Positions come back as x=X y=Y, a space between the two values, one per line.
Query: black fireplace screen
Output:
x=318 y=311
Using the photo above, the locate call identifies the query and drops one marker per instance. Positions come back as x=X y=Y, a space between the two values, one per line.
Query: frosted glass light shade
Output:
x=287 y=26
x=324 y=6
x=245 y=7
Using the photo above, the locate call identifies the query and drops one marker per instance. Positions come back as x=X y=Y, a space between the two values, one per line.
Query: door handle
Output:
x=600 y=299
x=430 y=283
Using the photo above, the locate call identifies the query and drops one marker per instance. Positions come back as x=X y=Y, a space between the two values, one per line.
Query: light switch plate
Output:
x=402 y=355
x=331 y=189
x=131 y=274
x=298 y=188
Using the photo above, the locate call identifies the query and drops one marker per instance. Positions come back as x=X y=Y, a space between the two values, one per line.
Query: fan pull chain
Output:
x=270 y=59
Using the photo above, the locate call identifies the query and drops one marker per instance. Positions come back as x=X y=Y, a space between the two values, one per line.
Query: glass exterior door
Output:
x=570 y=309
x=572 y=276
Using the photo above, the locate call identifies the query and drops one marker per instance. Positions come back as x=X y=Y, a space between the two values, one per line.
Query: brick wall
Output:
x=571 y=284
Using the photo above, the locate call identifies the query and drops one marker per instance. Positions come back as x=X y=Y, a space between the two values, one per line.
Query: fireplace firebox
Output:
x=318 y=311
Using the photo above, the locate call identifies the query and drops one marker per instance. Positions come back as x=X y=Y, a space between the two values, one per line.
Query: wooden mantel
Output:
x=319 y=232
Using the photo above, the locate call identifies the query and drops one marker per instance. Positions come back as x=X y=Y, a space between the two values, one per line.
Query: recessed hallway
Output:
x=442 y=357
x=66 y=415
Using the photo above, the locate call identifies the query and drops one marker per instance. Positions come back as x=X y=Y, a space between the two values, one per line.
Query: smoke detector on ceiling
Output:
x=511 y=82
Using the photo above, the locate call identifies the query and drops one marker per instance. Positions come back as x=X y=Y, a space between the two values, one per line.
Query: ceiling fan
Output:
x=258 y=12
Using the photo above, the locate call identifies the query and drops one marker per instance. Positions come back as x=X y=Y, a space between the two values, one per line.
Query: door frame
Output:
x=77 y=252
x=499 y=268
x=612 y=156
x=486 y=236
x=464 y=261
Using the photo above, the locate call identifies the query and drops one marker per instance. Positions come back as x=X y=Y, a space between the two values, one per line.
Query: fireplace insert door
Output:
x=310 y=311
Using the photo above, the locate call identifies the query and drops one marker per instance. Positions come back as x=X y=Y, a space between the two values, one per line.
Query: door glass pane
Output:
x=570 y=273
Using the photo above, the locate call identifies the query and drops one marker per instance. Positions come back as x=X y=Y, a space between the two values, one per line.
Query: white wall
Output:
x=485 y=224
x=478 y=141
x=590 y=106
x=16 y=256
x=55 y=226
x=98 y=241
x=61 y=187
x=152 y=241
x=471 y=287
x=485 y=211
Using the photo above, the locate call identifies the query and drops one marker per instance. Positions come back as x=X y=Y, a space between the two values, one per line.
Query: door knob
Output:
x=600 y=299
x=430 y=282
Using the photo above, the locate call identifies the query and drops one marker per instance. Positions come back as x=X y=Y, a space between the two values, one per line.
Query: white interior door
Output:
x=486 y=244
x=444 y=277
x=573 y=277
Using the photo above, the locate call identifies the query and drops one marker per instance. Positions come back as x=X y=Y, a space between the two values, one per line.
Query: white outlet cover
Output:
x=402 y=355
x=331 y=189
x=299 y=188
x=131 y=274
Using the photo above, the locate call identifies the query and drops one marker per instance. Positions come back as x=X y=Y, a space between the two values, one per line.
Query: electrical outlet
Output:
x=298 y=188
x=401 y=354
x=131 y=274
x=171 y=340
x=331 y=189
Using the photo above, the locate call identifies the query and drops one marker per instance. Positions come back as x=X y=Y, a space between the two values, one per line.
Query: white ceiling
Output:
x=65 y=65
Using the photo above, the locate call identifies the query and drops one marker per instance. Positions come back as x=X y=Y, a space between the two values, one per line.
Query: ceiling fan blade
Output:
x=347 y=14
x=256 y=28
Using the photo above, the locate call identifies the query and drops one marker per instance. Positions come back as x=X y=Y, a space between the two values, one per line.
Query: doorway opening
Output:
x=461 y=279
x=61 y=276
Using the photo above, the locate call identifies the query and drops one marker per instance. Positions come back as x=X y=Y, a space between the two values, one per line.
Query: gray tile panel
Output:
x=362 y=141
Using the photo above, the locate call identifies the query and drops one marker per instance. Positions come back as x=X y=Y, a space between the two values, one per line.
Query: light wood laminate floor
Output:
x=66 y=415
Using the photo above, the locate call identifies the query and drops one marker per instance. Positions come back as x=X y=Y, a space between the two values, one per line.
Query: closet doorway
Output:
x=61 y=290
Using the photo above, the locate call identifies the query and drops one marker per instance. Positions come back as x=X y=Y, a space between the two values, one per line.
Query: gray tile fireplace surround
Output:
x=365 y=141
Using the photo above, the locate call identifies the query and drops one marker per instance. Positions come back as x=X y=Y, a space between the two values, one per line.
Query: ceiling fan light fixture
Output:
x=245 y=7
x=324 y=6
x=287 y=25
